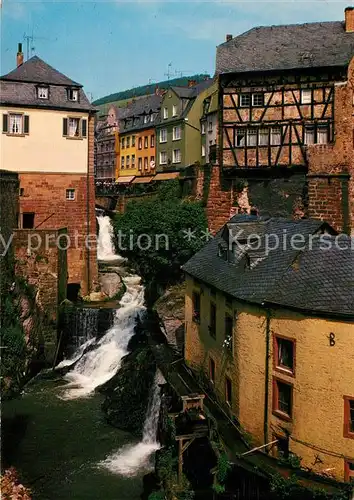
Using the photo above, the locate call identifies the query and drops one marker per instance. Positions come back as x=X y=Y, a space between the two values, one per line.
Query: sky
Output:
x=116 y=45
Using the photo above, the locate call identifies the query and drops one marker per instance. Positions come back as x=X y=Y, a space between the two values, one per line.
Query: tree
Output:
x=152 y=233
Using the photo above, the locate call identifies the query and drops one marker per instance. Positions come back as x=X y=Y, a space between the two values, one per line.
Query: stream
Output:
x=55 y=434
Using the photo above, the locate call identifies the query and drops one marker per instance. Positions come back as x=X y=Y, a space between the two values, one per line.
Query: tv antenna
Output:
x=169 y=71
x=29 y=41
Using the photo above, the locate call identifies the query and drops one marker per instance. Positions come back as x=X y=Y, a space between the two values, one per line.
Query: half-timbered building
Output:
x=286 y=121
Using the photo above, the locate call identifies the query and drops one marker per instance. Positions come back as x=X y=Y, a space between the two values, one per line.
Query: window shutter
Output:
x=5 y=127
x=26 y=124
x=65 y=126
x=84 y=128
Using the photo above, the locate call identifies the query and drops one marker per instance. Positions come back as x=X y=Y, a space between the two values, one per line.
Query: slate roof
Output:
x=19 y=87
x=133 y=116
x=316 y=280
x=294 y=46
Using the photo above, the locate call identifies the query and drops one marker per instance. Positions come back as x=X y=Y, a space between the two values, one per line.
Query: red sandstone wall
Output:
x=45 y=195
x=219 y=200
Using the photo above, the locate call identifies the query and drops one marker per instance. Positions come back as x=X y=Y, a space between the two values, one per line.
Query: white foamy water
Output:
x=133 y=459
x=105 y=247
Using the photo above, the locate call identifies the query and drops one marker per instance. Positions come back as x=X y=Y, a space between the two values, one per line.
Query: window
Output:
x=176 y=133
x=146 y=163
x=73 y=94
x=349 y=417
x=203 y=150
x=140 y=163
x=146 y=142
x=263 y=137
x=73 y=127
x=163 y=158
x=133 y=161
x=165 y=113
x=133 y=140
x=275 y=136
x=309 y=134
x=245 y=100
x=128 y=162
x=196 y=307
x=251 y=137
x=163 y=135
x=174 y=110
x=349 y=471
x=42 y=92
x=229 y=327
x=176 y=156
x=122 y=162
x=128 y=142
x=322 y=134
x=258 y=99
x=203 y=127
x=282 y=399
x=70 y=194
x=140 y=143
x=22 y=191
x=212 y=370
x=27 y=220
x=210 y=127
x=284 y=354
x=123 y=142
x=152 y=162
x=306 y=96
x=15 y=123
x=240 y=139
x=212 y=323
x=152 y=141
x=146 y=118
x=228 y=391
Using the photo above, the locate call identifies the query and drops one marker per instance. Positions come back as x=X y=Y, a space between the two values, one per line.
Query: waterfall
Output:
x=100 y=363
x=132 y=459
x=105 y=244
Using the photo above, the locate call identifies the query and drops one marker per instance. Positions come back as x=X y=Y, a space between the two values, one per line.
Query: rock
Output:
x=111 y=283
x=25 y=307
x=95 y=297
x=28 y=326
x=170 y=308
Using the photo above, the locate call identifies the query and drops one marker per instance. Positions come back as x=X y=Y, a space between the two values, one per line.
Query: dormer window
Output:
x=42 y=92
x=146 y=118
x=73 y=95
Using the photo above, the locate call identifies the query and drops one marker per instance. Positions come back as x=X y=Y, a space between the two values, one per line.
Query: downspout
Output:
x=266 y=382
x=88 y=207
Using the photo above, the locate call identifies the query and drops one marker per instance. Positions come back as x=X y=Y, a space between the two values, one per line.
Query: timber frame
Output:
x=272 y=131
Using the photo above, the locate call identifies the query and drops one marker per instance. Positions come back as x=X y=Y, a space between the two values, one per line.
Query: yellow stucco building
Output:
x=274 y=334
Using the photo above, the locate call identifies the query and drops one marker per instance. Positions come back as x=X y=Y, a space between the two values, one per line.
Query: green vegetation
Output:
x=162 y=222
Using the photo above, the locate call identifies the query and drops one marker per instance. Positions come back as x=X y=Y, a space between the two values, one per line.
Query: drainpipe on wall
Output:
x=266 y=382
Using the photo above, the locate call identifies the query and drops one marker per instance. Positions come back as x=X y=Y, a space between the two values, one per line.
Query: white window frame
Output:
x=122 y=161
x=203 y=150
x=255 y=97
x=275 y=136
x=203 y=128
x=322 y=134
x=263 y=137
x=306 y=96
x=163 y=135
x=245 y=100
x=176 y=136
x=146 y=118
x=174 y=110
x=210 y=127
x=42 y=92
x=165 y=113
x=240 y=132
x=16 y=126
x=252 y=134
x=176 y=156
x=163 y=154
x=133 y=161
x=71 y=131
x=127 y=163
x=309 y=135
x=70 y=194
x=73 y=95
x=140 y=163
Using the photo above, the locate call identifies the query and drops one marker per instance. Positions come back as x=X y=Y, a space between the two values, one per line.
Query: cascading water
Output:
x=105 y=246
x=99 y=364
x=132 y=459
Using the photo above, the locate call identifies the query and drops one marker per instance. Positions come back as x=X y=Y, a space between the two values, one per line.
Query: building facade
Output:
x=273 y=335
x=286 y=123
x=48 y=139
x=106 y=144
x=179 y=132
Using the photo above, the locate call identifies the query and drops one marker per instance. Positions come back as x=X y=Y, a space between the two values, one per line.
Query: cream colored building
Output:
x=274 y=336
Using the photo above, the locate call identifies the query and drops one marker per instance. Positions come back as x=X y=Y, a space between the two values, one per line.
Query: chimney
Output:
x=228 y=38
x=19 y=58
x=191 y=83
x=349 y=19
